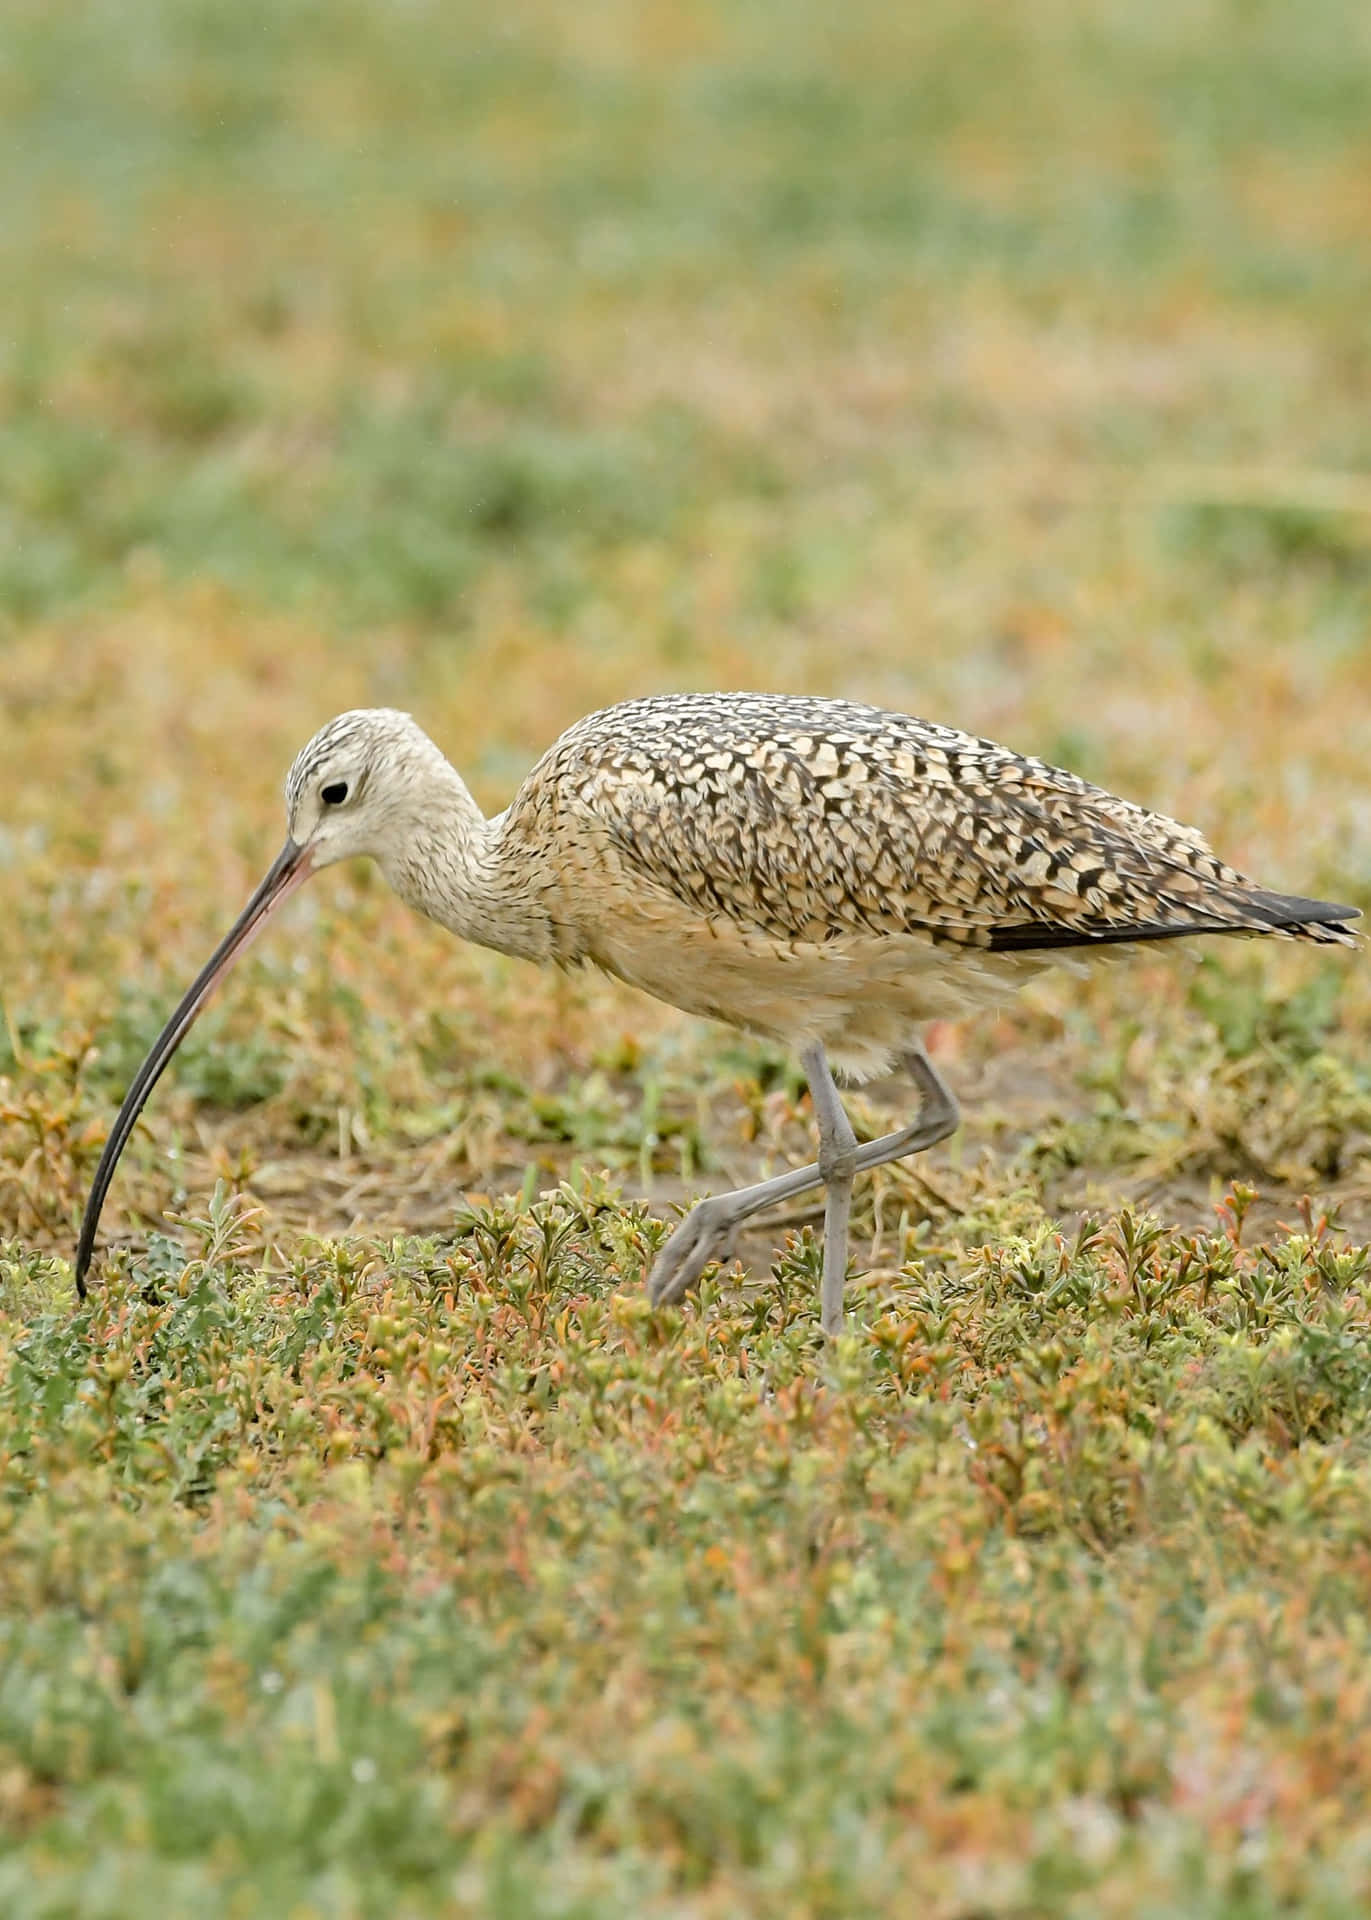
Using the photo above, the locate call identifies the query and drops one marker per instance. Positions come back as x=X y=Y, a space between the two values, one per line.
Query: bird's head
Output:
x=357 y=788
x=353 y=788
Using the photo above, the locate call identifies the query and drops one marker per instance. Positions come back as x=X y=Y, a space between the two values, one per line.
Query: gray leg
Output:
x=837 y=1167
x=707 y=1231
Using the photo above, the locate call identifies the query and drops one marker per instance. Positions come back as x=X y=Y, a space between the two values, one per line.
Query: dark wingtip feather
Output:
x=1256 y=912
x=1308 y=919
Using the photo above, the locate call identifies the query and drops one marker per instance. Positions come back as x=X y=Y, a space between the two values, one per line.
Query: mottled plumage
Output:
x=826 y=873
x=816 y=819
x=822 y=871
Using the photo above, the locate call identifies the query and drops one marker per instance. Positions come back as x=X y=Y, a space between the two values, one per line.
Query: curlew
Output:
x=826 y=874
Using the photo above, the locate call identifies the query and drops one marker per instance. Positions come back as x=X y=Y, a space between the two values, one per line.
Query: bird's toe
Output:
x=705 y=1235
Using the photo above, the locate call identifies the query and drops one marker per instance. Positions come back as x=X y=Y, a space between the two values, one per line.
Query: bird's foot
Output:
x=705 y=1234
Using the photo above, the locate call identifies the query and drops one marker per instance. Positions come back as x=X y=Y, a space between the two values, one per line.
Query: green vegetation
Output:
x=369 y=1548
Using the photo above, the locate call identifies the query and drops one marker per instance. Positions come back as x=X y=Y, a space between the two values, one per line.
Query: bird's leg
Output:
x=837 y=1167
x=707 y=1231
x=939 y=1115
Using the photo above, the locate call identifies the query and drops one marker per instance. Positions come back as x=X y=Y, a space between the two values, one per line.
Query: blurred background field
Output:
x=1006 y=364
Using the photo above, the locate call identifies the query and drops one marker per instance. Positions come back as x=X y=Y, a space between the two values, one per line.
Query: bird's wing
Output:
x=927 y=832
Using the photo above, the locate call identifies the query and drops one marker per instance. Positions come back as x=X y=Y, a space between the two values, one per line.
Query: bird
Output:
x=829 y=875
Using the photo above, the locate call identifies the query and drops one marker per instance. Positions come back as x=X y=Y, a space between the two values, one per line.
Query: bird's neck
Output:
x=449 y=866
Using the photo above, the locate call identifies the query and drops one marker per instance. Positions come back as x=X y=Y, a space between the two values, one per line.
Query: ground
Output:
x=370 y=1548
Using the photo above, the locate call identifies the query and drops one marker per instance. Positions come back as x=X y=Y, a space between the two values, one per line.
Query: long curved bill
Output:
x=290 y=867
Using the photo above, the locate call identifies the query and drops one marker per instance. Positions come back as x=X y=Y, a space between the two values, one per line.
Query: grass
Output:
x=370 y=1549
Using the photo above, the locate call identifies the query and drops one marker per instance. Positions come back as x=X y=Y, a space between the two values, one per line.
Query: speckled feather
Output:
x=811 y=819
x=811 y=869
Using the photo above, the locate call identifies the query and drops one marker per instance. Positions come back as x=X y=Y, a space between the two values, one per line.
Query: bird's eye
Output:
x=334 y=794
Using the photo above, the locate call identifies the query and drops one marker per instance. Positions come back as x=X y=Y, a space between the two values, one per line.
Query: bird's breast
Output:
x=864 y=996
